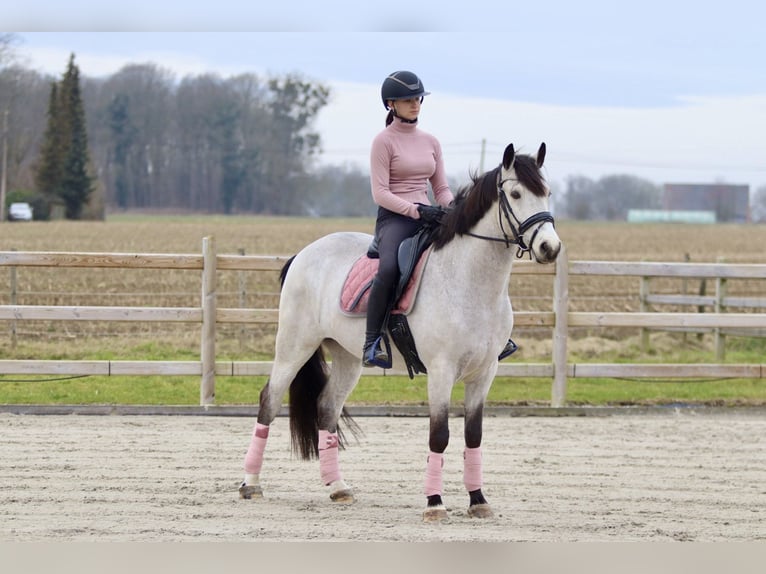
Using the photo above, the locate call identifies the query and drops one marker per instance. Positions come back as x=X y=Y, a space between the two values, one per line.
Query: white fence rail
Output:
x=560 y=319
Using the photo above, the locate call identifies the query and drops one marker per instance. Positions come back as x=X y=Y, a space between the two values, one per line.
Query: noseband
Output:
x=518 y=228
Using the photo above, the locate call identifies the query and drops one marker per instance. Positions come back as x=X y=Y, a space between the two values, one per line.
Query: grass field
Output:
x=285 y=236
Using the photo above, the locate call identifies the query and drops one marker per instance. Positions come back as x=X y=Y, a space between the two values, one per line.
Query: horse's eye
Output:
x=515 y=194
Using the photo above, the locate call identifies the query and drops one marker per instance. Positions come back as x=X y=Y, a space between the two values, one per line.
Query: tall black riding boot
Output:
x=375 y=353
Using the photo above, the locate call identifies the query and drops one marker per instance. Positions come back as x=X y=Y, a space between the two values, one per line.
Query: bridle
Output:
x=518 y=228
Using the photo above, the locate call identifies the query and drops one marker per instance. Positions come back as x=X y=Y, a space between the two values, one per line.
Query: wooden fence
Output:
x=719 y=302
x=560 y=319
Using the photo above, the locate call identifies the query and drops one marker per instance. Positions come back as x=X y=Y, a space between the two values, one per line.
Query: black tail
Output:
x=304 y=393
x=283 y=272
x=304 y=415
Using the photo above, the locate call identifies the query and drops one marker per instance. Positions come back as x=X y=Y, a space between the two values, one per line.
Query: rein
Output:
x=519 y=228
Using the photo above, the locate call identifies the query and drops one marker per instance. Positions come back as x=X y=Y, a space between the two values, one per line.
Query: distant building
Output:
x=670 y=216
x=731 y=203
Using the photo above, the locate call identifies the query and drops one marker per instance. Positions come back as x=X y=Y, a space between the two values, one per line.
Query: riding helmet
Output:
x=402 y=85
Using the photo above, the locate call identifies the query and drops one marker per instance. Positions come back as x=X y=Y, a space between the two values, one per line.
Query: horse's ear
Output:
x=541 y=155
x=508 y=156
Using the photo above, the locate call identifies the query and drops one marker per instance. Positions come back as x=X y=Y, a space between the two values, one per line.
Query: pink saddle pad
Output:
x=356 y=288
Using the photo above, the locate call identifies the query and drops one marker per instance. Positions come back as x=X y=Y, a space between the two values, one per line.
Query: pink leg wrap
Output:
x=472 y=468
x=434 y=474
x=329 y=468
x=254 y=456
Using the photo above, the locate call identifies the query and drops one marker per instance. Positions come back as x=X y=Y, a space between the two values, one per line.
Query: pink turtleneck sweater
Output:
x=403 y=159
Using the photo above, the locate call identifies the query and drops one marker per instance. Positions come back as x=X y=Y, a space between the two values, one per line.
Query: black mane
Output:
x=474 y=200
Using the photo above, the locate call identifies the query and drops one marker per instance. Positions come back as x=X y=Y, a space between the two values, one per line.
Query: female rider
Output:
x=403 y=161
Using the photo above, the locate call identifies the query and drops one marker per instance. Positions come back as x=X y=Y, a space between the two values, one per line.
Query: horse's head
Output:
x=518 y=190
x=524 y=199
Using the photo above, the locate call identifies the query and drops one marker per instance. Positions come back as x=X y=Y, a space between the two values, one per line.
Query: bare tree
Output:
x=4 y=42
x=23 y=100
x=338 y=191
x=289 y=143
x=579 y=197
x=609 y=198
x=132 y=124
x=7 y=54
x=617 y=194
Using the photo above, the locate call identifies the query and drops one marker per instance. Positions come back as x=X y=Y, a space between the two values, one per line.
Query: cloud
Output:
x=95 y=64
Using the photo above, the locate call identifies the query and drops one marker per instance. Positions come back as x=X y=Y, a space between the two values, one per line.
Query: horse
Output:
x=460 y=322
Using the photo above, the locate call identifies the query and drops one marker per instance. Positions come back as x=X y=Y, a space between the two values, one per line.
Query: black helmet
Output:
x=401 y=85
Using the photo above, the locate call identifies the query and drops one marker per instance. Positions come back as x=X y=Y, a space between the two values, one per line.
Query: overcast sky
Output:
x=669 y=91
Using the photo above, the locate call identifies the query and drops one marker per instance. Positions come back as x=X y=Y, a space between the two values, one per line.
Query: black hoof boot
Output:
x=510 y=349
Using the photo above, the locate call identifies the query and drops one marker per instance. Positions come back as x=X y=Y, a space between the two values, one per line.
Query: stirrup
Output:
x=375 y=355
x=510 y=349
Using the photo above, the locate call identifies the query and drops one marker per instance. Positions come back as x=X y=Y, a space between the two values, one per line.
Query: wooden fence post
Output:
x=207 y=354
x=14 y=301
x=643 y=293
x=720 y=337
x=560 y=312
x=701 y=308
x=684 y=286
x=242 y=284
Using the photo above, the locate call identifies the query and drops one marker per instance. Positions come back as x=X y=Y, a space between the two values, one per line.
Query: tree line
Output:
x=608 y=198
x=208 y=144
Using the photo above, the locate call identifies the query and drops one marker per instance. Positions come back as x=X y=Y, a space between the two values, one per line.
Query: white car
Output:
x=20 y=212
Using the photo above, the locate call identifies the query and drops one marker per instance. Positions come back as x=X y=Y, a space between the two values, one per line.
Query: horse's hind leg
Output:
x=283 y=372
x=475 y=396
x=344 y=375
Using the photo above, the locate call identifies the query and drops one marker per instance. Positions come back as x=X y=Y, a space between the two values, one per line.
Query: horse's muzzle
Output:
x=548 y=251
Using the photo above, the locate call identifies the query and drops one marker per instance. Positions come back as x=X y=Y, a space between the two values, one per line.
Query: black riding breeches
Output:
x=391 y=229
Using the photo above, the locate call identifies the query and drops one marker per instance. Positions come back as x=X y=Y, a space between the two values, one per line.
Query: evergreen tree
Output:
x=63 y=167
x=51 y=163
x=76 y=183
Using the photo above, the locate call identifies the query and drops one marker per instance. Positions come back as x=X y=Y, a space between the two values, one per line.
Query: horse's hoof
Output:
x=435 y=514
x=345 y=496
x=250 y=491
x=480 y=511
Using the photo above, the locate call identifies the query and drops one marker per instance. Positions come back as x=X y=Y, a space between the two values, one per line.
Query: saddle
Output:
x=412 y=258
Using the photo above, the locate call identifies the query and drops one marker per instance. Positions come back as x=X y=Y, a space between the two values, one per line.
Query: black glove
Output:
x=430 y=213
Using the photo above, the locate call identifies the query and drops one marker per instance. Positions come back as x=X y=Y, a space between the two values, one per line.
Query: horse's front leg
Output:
x=475 y=397
x=439 y=393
